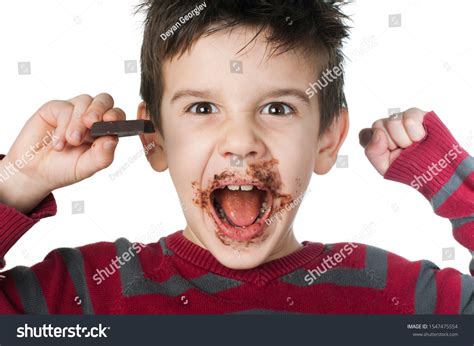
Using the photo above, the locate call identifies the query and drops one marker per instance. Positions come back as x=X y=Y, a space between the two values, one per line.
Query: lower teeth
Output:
x=263 y=209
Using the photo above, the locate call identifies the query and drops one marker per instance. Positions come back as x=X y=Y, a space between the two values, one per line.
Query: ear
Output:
x=330 y=142
x=153 y=143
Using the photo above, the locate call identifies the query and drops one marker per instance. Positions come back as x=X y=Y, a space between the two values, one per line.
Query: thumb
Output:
x=99 y=156
x=377 y=150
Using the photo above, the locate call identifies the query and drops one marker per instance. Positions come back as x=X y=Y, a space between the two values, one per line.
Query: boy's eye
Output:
x=202 y=108
x=277 y=108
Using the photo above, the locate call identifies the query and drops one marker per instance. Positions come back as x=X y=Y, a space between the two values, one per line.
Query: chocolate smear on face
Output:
x=265 y=173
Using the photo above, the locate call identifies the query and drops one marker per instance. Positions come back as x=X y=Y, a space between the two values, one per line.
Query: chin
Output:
x=244 y=254
x=241 y=257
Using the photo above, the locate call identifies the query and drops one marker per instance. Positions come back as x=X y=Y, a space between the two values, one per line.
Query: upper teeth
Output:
x=242 y=187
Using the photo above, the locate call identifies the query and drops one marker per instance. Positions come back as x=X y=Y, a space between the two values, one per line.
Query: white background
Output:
x=77 y=47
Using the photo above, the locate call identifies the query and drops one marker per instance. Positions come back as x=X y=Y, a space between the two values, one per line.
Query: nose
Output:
x=240 y=142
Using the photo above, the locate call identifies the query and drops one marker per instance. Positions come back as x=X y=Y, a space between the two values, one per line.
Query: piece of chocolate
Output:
x=121 y=128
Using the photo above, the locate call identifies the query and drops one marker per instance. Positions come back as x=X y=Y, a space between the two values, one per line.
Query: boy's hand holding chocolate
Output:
x=388 y=137
x=55 y=149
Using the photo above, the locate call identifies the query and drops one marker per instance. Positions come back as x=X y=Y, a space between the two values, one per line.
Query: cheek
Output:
x=296 y=154
x=296 y=144
x=187 y=156
x=186 y=160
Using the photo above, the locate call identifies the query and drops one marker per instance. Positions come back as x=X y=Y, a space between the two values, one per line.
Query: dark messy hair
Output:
x=316 y=27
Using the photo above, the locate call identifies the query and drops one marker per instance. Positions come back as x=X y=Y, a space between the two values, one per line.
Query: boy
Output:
x=241 y=127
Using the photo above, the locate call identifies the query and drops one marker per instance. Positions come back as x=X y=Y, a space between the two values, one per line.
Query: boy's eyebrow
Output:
x=205 y=94
x=299 y=94
x=190 y=92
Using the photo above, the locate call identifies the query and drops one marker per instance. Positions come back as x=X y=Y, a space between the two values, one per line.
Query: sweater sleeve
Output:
x=13 y=223
x=442 y=171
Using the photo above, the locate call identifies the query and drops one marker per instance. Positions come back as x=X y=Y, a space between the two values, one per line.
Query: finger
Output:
x=378 y=151
x=380 y=124
x=413 y=122
x=99 y=106
x=397 y=132
x=114 y=114
x=76 y=129
x=415 y=129
x=56 y=114
x=99 y=156
x=59 y=138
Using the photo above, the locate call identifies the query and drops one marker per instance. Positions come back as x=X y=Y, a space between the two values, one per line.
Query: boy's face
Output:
x=243 y=120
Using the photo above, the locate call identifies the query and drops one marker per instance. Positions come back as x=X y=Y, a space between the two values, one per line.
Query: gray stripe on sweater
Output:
x=212 y=283
x=462 y=221
x=29 y=290
x=75 y=266
x=471 y=266
x=467 y=295
x=465 y=168
x=374 y=275
x=425 y=291
x=164 y=248
x=135 y=283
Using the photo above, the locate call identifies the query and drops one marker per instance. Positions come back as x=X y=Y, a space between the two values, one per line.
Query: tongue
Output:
x=240 y=207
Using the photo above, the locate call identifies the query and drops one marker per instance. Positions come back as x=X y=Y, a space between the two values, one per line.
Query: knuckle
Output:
x=407 y=121
x=368 y=151
x=119 y=112
x=414 y=112
x=52 y=104
x=105 y=99
x=392 y=124
x=83 y=98
x=61 y=108
x=81 y=101
x=378 y=124
x=99 y=106
x=104 y=161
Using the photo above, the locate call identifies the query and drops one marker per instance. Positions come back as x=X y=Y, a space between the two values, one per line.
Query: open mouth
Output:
x=240 y=209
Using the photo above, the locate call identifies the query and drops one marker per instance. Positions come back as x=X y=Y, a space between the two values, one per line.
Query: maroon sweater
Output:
x=175 y=276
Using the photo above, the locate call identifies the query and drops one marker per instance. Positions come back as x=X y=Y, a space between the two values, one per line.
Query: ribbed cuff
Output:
x=427 y=165
x=13 y=223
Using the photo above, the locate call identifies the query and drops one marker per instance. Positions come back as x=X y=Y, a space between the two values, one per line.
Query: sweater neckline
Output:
x=260 y=276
